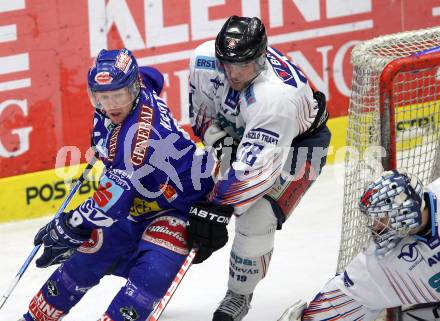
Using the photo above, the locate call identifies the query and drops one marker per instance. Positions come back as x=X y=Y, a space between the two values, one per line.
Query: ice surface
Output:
x=304 y=259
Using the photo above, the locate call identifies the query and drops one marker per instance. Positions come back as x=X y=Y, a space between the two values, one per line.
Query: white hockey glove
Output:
x=223 y=144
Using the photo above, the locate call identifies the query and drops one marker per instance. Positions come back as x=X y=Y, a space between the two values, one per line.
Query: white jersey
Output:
x=409 y=274
x=267 y=115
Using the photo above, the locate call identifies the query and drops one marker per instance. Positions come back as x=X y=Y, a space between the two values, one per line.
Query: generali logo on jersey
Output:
x=142 y=135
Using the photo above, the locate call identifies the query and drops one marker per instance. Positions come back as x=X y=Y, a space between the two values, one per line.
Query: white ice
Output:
x=305 y=257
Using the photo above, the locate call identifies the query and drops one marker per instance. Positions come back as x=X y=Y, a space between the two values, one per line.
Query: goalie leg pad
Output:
x=148 y=282
x=252 y=247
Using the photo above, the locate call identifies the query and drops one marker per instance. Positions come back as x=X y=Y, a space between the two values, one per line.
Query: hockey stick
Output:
x=37 y=247
x=160 y=307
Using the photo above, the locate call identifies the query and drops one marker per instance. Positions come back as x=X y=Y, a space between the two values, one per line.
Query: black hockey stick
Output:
x=37 y=247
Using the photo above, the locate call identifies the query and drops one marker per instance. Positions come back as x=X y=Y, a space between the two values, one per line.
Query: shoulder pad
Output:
x=152 y=77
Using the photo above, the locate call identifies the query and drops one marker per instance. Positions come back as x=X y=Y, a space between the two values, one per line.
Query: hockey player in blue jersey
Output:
x=153 y=174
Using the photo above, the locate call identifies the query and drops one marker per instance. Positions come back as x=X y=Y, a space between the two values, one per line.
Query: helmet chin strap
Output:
x=135 y=101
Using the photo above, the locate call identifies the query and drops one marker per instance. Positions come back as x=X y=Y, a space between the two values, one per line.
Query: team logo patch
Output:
x=168 y=192
x=107 y=194
x=168 y=232
x=52 y=289
x=216 y=83
x=205 y=62
x=123 y=62
x=140 y=207
x=94 y=244
x=409 y=252
x=231 y=43
x=283 y=74
x=91 y=213
x=103 y=78
x=42 y=310
x=129 y=313
x=102 y=195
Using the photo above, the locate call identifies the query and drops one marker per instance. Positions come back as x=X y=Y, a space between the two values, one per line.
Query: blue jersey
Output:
x=151 y=164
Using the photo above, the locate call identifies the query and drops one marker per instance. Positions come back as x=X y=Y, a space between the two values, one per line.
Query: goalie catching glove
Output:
x=207 y=228
x=59 y=239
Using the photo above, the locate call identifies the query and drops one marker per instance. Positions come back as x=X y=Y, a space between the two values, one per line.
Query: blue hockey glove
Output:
x=207 y=228
x=60 y=240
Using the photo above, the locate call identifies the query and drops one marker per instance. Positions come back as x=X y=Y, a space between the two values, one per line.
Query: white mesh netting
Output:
x=416 y=100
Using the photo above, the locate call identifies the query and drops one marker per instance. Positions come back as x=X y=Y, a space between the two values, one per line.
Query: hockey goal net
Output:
x=393 y=120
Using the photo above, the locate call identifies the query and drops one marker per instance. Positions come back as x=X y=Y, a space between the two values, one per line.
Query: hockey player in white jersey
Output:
x=400 y=266
x=249 y=98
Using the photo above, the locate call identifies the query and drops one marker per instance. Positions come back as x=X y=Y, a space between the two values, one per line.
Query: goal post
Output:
x=393 y=120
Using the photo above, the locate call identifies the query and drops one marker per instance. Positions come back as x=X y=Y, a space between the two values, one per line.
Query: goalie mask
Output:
x=393 y=204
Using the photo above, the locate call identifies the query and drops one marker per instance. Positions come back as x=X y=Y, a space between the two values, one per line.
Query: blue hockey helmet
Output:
x=113 y=70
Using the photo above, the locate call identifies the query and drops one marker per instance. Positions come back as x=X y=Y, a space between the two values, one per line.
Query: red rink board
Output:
x=47 y=46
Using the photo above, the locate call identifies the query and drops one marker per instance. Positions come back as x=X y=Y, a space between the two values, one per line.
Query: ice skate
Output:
x=234 y=307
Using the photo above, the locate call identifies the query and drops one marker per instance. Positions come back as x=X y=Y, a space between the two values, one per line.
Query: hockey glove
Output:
x=207 y=228
x=60 y=240
x=226 y=149
x=223 y=144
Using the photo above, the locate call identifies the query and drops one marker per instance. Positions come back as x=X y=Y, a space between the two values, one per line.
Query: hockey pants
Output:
x=140 y=252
